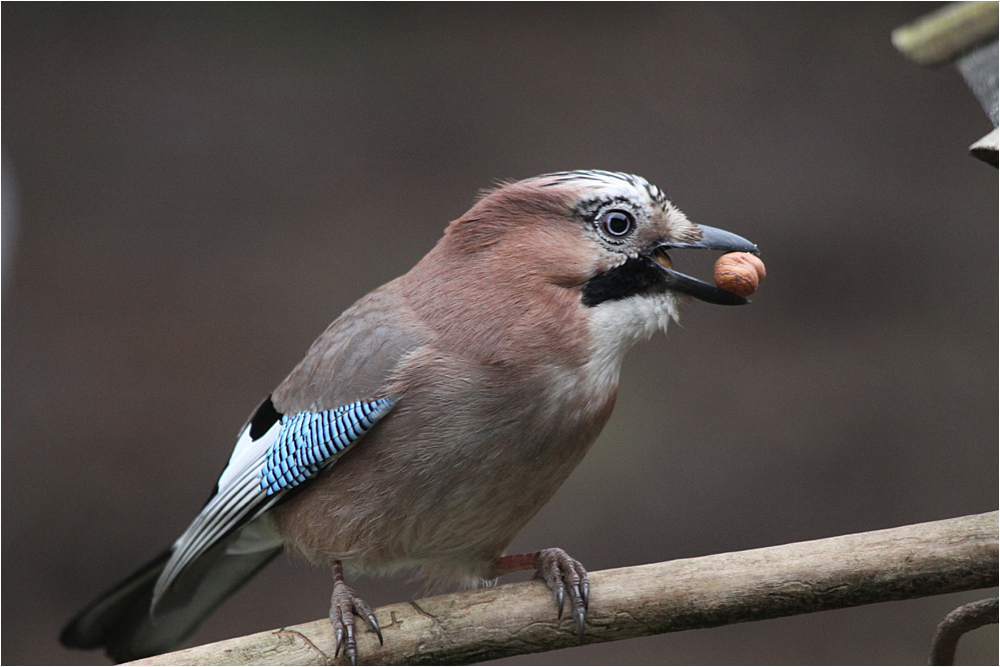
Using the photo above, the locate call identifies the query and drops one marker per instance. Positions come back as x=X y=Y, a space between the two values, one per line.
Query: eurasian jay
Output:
x=436 y=415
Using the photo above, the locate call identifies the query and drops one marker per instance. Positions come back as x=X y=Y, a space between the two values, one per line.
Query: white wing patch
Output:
x=247 y=451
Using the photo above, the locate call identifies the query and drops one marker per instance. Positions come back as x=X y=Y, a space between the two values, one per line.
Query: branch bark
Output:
x=965 y=619
x=471 y=626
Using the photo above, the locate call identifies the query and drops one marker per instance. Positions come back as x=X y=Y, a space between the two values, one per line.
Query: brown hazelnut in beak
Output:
x=739 y=273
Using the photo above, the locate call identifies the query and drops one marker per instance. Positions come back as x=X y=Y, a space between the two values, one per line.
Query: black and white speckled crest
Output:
x=656 y=195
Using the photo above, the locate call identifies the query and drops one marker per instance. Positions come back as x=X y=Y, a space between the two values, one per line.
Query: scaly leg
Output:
x=344 y=605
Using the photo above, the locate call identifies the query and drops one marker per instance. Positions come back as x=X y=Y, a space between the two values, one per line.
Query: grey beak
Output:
x=711 y=239
x=718 y=239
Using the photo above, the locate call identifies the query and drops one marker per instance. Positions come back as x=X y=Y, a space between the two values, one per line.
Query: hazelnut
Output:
x=739 y=273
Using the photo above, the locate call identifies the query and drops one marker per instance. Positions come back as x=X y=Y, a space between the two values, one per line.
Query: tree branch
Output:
x=471 y=626
x=966 y=618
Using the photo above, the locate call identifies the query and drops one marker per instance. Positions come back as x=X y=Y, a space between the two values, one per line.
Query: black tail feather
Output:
x=99 y=621
x=120 y=619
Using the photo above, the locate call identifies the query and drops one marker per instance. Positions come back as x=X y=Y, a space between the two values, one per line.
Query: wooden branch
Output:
x=472 y=626
x=966 y=618
x=944 y=34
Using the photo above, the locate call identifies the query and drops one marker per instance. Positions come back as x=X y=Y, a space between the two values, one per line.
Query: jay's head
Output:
x=590 y=245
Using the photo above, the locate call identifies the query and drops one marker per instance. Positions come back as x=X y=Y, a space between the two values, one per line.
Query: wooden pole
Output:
x=471 y=626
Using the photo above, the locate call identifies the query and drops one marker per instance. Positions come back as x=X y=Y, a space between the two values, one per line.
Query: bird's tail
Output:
x=121 y=621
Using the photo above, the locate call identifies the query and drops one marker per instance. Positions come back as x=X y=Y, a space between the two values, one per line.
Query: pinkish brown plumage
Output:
x=465 y=391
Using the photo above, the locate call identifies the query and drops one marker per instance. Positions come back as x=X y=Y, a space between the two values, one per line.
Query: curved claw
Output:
x=339 y=634
x=373 y=626
x=579 y=608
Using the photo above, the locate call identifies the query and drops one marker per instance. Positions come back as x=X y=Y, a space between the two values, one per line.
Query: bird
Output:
x=436 y=415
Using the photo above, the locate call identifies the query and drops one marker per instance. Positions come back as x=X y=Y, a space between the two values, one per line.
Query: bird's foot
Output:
x=344 y=606
x=563 y=574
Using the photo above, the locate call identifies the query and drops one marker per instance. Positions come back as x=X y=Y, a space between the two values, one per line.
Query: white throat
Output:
x=615 y=326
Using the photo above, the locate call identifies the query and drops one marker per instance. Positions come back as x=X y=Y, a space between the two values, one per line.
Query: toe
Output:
x=362 y=610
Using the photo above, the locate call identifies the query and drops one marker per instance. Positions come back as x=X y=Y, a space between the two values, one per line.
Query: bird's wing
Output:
x=303 y=428
x=262 y=470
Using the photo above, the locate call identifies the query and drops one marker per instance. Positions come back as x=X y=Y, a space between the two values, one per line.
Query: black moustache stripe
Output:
x=637 y=276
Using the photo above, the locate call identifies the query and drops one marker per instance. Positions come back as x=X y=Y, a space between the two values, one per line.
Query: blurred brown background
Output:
x=203 y=188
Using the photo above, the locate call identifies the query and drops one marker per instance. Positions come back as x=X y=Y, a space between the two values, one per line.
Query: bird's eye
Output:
x=617 y=224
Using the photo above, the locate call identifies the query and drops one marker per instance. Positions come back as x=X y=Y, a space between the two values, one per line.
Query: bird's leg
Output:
x=344 y=605
x=561 y=572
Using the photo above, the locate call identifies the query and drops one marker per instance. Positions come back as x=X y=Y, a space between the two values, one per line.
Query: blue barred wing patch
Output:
x=308 y=441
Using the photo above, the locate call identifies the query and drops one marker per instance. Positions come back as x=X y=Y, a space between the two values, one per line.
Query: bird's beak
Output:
x=711 y=239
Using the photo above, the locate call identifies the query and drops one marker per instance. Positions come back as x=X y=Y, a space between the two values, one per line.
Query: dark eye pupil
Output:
x=617 y=223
